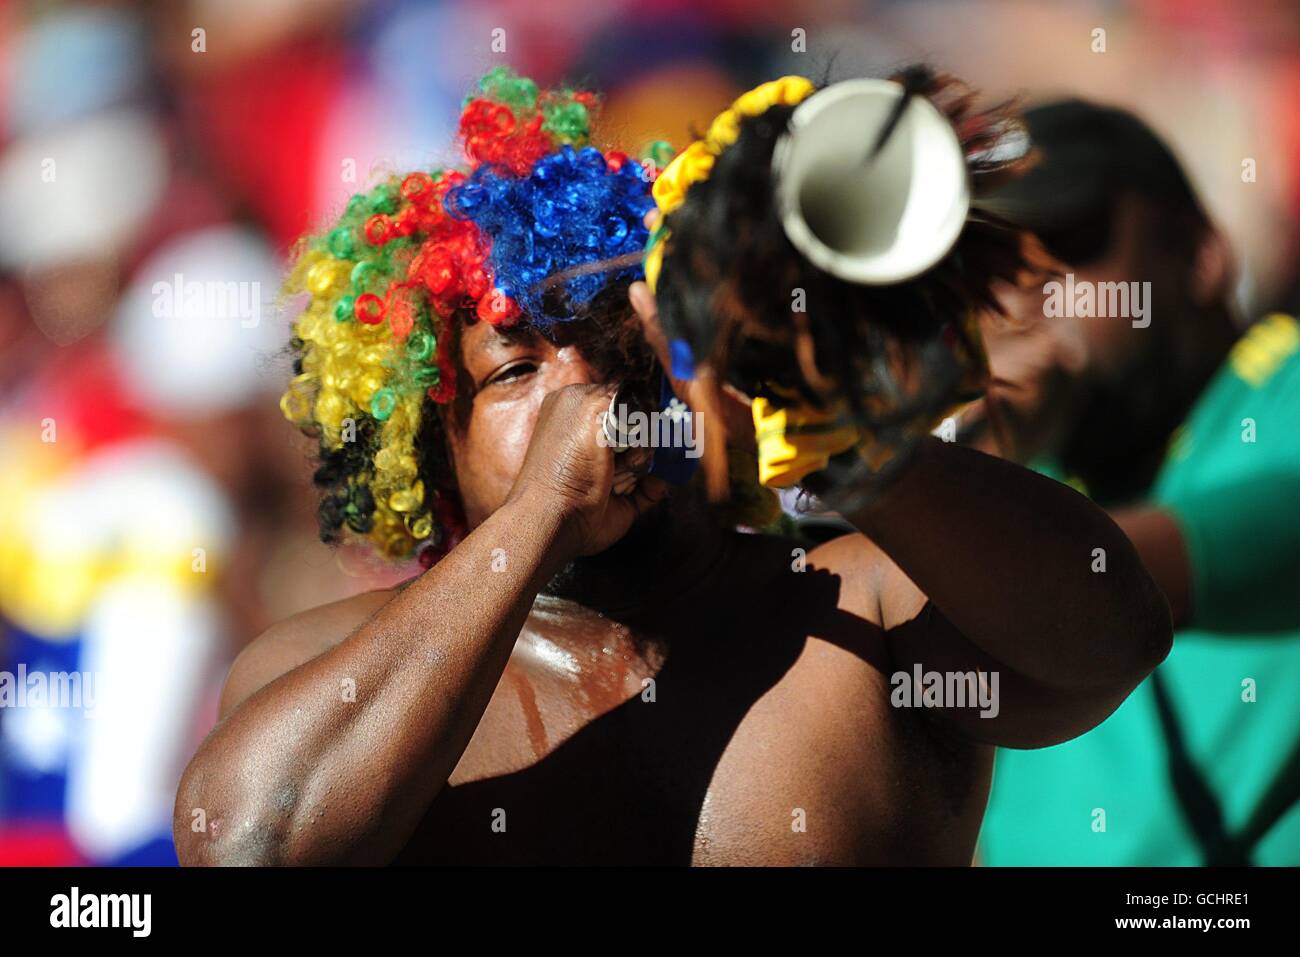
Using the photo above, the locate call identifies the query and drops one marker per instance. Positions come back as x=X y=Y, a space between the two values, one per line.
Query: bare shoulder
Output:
x=295 y=640
x=860 y=778
x=871 y=585
x=846 y=648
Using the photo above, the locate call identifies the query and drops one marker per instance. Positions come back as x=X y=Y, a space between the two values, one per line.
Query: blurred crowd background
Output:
x=156 y=511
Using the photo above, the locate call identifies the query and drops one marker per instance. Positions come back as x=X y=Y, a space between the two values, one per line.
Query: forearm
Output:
x=337 y=760
x=1008 y=557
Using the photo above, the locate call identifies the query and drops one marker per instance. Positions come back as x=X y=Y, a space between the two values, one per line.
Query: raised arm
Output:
x=301 y=772
x=1025 y=577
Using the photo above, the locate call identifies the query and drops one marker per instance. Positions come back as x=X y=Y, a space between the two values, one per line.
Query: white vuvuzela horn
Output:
x=874 y=221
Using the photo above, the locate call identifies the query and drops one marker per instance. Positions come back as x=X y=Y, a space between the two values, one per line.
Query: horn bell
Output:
x=871 y=221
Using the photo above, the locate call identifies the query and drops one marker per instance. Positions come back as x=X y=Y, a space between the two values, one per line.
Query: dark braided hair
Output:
x=731 y=278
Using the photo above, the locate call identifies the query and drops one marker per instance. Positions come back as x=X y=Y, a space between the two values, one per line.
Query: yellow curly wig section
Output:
x=348 y=367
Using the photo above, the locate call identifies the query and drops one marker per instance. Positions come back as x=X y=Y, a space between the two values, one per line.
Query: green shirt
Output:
x=1231 y=479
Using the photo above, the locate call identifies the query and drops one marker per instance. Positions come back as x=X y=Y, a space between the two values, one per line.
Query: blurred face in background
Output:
x=1134 y=242
x=1131 y=378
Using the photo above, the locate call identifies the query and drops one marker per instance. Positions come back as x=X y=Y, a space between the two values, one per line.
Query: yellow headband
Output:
x=794 y=441
x=695 y=163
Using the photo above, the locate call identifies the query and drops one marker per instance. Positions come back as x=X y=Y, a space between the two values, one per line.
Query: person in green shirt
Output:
x=1187 y=430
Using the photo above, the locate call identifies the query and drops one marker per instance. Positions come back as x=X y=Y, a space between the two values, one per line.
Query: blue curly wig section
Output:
x=571 y=209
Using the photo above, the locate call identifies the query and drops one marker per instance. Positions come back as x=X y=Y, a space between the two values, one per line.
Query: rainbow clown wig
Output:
x=503 y=240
